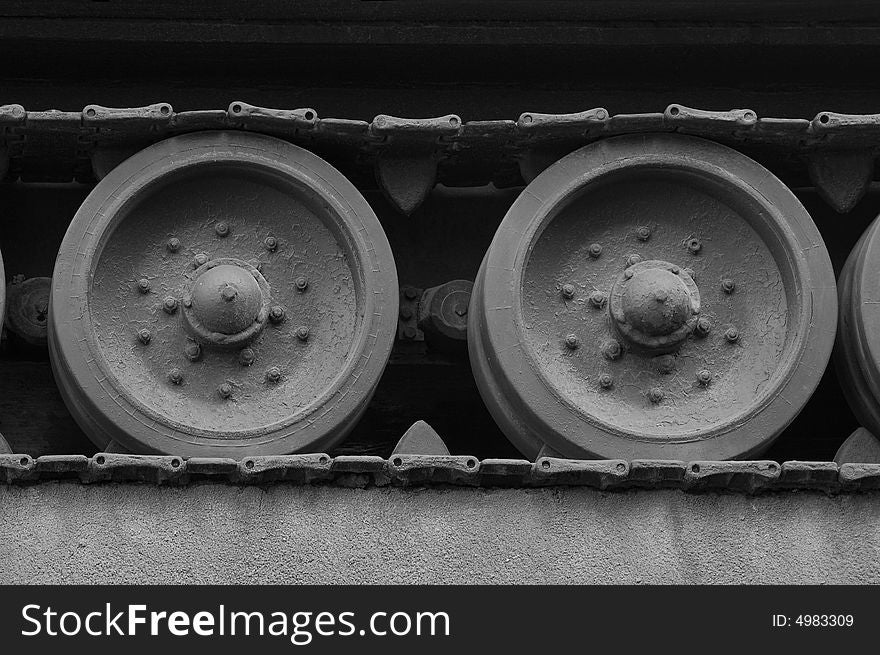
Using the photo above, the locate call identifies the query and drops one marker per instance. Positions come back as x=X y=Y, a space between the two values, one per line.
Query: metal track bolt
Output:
x=301 y=284
x=273 y=375
x=410 y=294
x=271 y=244
x=568 y=291
x=200 y=260
x=612 y=350
x=144 y=336
x=731 y=334
x=643 y=233
x=222 y=229
x=175 y=376
x=656 y=395
x=703 y=326
x=704 y=376
x=606 y=381
x=225 y=390
x=246 y=357
x=694 y=246
x=169 y=304
x=572 y=342
x=409 y=332
x=276 y=314
x=595 y=250
x=665 y=364
x=597 y=299
x=302 y=333
x=193 y=351
x=173 y=244
x=632 y=260
x=728 y=285
x=144 y=285
x=406 y=313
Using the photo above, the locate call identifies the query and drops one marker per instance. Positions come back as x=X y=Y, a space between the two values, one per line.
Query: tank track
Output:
x=59 y=145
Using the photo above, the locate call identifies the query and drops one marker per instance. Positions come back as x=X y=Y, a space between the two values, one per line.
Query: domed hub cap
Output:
x=654 y=305
x=227 y=303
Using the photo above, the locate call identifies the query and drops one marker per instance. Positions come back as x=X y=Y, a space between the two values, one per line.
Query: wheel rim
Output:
x=172 y=251
x=549 y=350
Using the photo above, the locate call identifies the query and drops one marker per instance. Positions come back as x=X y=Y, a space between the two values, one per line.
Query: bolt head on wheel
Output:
x=720 y=313
x=222 y=294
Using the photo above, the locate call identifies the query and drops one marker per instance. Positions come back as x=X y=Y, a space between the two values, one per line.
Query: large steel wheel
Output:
x=2 y=291
x=857 y=358
x=652 y=296
x=222 y=294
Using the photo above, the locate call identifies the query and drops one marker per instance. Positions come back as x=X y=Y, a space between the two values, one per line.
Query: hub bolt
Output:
x=225 y=390
x=728 y=285
x=612 y=350
x=144 y=285
x=302 y=284
x=665 y=363
x=222 y=229
x=675 y=270
x=271 y=244
x=704 y=376
x=173 y=244
x=694 y=246
x=656 y=395
x=643 y=233
x=273 y=375
x=597 y=299
x=595 y=250
x=192 y=351
x=732 y=335
x=568 y=291
x=200 y=260
x=175 y=376
x=302 y=333
x=276 y=314
x=632 y=260
x=169 y=304
x=246 y=357
x=144 y=336
x=703 y=326
x=572 y=342
x=606 y=381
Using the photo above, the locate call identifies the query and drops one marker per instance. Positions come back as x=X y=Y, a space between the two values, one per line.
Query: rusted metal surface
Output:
x=28 y=310
x=221 y=293
x=653 y=296
x=750 y=477
x=83 y=145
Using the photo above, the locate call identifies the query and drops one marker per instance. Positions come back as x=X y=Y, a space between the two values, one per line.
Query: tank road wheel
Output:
x=652 y=296
x=2 y=290
x=857 y=358
x=222 y=294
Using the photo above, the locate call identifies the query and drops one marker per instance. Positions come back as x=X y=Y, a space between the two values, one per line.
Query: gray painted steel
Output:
x=68 y=532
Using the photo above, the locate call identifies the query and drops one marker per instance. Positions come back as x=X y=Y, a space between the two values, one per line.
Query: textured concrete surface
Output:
x=67 y=532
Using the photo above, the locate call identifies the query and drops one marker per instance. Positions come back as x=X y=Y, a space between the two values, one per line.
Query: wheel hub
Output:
x=653 y=304
x=226 y=303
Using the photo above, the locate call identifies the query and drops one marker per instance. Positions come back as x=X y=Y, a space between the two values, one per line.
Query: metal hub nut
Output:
x=273 y=375
x=731 y=334
x=597 y=299
x=144 y=285
x=175 y=376
x=173 y=244
x=246 y=357
x=612 y=350
x=704 y=377
x=170 y=304
x=302 y=333
x=276 y=314
x=656 y=395
x=606 y=381
x=224 y=390
x=653 y=307
x=568 y=291
x=595 y=250
x=728 y=285
x=226 y=303
x=572 y=342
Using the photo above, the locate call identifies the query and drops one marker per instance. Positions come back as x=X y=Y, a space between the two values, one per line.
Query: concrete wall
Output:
x=211 y=533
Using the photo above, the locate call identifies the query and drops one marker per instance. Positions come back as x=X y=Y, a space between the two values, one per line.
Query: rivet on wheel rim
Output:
x=720 y=314
x=164 y=288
